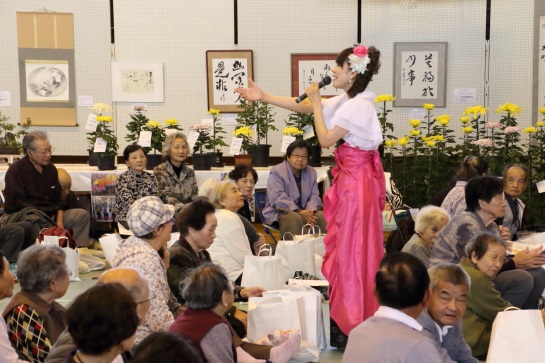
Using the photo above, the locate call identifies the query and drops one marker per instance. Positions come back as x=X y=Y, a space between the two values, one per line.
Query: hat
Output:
x=148 y=213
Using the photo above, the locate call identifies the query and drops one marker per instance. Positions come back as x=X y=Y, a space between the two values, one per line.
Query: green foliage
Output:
x=135 y=126
x=216 y=141
x=257 y=115
x=107 y=134
x=9 y=138
x=304 y=121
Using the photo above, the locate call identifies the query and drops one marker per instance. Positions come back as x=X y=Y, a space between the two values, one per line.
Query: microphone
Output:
x=323 y=82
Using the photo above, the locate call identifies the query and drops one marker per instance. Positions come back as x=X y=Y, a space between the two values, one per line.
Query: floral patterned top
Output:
x=129 y=188
x=173 y=189
x=136 y=253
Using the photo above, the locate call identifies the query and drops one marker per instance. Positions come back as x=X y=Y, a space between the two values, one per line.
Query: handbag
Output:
x=517 y=336
x=64 y=237
x=71 y=253
x=264 y=271
x=110 y=244
x=270 y=313
x=313 y=234
x=299 y=255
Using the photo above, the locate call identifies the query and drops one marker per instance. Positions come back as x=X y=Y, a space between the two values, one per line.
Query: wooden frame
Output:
x=225 y=71
x=309 y=68
x=420 y=74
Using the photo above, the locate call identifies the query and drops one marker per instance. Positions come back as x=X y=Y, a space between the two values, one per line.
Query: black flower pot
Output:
x=93 y=159
x=260 y=154
x=315 y=157
x=201 y=162
x=216 y=159
x=9 y=150
x=153 y=160
x=106 y=161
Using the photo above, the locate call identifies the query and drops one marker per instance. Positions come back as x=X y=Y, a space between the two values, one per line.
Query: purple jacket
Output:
x=282 y=191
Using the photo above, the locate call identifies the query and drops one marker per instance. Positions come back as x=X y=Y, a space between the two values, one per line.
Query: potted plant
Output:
x=201 y=161
x=215 y=141
x=246 y=134
x=104 y=131
x=98 y=108
x=305 y=123
x=258 y=115
x=9 y=141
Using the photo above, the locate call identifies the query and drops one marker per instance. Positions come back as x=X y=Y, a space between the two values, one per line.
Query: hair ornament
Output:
x=359 y=59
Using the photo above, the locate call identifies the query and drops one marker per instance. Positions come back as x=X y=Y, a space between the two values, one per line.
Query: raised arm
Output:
x=254 y=93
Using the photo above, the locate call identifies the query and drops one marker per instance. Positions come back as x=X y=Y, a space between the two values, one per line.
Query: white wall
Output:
x=178 y=33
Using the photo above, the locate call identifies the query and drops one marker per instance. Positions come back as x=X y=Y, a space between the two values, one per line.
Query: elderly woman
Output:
x=151 y=222
x=485 y=202
x=209 y=293
x=245 y=177
x=429 y=222
x=486 y=256
x=171 y=347
x=471 y=167
x=33 y=317
x=133 y=184
x=177 y=182
x=102 y=321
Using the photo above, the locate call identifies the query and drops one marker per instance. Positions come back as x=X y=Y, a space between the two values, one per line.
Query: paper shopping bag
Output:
x=266 y=314
x=299 y=255
x=314 y=234
x=72 y=261
x=264 y=271
x=110 y=243
x=517 y=336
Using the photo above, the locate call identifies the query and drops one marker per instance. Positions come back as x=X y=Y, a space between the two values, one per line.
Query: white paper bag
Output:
x=517 y=336
x=308 y=352
x=266 y=314
x=314 y=234
x=299 y=255
x=72 y=261
x=110 y=244
x=264 y=271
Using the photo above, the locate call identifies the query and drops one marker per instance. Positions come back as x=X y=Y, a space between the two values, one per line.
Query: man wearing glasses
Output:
x=292 y=192
x=32 y=182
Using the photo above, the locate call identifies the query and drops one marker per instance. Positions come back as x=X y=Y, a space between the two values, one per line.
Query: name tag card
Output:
x=91 y=124
x=286 y=141
x=236 y=145
x=308 y=132
x=541 y=186
x=100 y=145
x=144 y=139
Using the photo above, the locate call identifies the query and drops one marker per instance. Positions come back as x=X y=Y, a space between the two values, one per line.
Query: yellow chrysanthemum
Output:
x=430 y=143
x=427 y=138
x=439 y=138
x=542 y=110
x=467 y=129
x=540 y=124
x=415 y=122
x=475 y=111
x=389 y=143
x=292 y=130
x=104 y=119
x=464 y=119
x=171 y=122
x=443 y=119
x=402 y=141
x=153 y=124
x=530 y=130
x=244 y=131
x=415 y=132
x=510 y=108
x=384 y=98
x=428 y=106
x=213 y=111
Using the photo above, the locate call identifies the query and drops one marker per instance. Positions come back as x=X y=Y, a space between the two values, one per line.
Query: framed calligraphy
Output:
x=309 y=68
x=225 y=71
x=420 y=74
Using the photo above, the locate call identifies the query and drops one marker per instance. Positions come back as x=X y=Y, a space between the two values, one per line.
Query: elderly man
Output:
x=514 y=177
x=137 y=286
x=32 y=182
x=442 y=318
x=292 y=192
x=393 y=334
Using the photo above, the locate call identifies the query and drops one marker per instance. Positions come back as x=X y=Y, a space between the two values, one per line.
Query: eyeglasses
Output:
x=302 y=157
x=152 y=296
x=45 y=152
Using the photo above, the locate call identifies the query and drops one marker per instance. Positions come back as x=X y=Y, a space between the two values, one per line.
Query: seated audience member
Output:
x=293 y=199
x=485 y=203
x=231 y=243
x=7 y=353
x=442 y=318
x=486 y=255
x=429 y=222
x=16 y=237
x=209 y=295
x=255 y=239
x=33 y=317
x=171 y=347
x=514 y=178
x=393 y=334
x=102 y=321
x=471 y=167
x=177 y=182
x=245 y=177
x=136 y=285
x=133 y=184
x=151 y=222
x=32 y=182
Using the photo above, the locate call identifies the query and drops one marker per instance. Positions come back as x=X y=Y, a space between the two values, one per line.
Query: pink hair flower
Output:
x=361 y=51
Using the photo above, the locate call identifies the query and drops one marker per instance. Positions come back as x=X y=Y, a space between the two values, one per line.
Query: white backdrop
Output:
x=178 y=33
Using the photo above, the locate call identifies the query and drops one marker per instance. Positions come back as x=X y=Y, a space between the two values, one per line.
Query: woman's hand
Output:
x=504 y=233
x=313 y=93
x=252 y=93
x=254 y=291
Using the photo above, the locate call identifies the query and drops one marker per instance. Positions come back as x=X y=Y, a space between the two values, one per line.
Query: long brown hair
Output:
x=361 y=81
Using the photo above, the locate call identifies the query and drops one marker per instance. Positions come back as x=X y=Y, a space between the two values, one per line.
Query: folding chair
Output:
x=404 y=222
x=260 y=197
